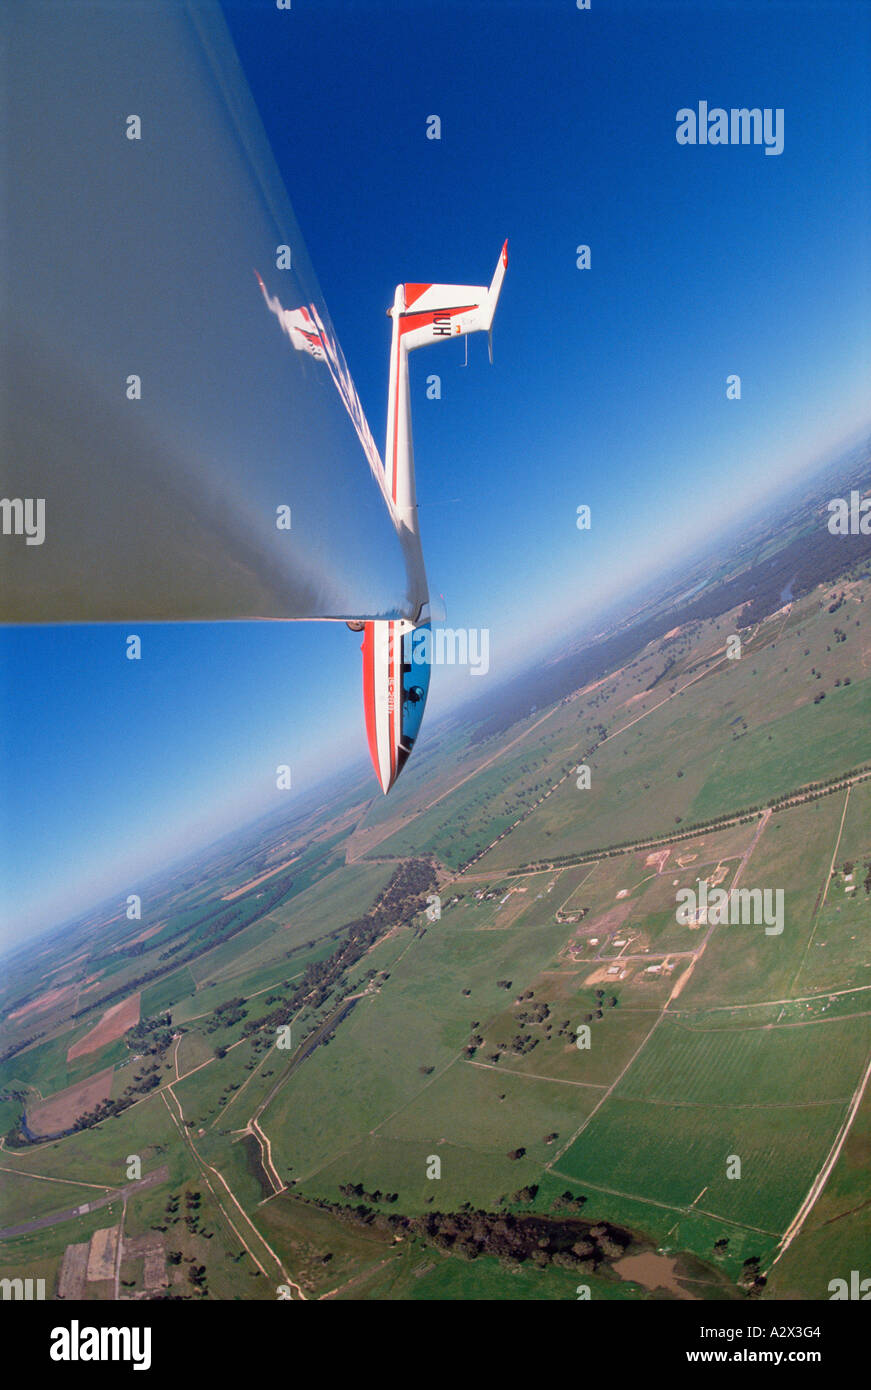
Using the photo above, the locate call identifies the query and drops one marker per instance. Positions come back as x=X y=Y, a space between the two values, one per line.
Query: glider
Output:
x=396 y=665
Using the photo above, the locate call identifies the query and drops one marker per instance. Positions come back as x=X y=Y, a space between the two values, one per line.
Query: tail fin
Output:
x=496 y=283
x=431 y=313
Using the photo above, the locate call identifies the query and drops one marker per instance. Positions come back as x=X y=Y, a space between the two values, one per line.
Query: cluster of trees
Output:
x=193 y=1203
x=138 y=948
x=403 y=898
x=521 y=1043
x=172 y=950
x=20 y=1046
x=524 y=1196
x=226 y=1014
x=536 y=1015
x=670 y=663
x=151 y=1036
x=357 y=1191
x=569 y=1201
x=514 y=1239
x=751 y=1280
x=601 y=1004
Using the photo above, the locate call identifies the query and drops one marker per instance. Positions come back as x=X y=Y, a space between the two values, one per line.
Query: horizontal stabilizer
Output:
x=430 y=313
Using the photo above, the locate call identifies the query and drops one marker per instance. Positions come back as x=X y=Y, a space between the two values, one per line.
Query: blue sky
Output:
x=558 y=128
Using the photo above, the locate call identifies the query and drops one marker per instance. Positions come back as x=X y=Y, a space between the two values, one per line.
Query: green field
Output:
x=673 y=1154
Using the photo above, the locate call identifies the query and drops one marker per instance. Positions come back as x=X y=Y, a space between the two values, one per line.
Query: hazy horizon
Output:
x=204 y=832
